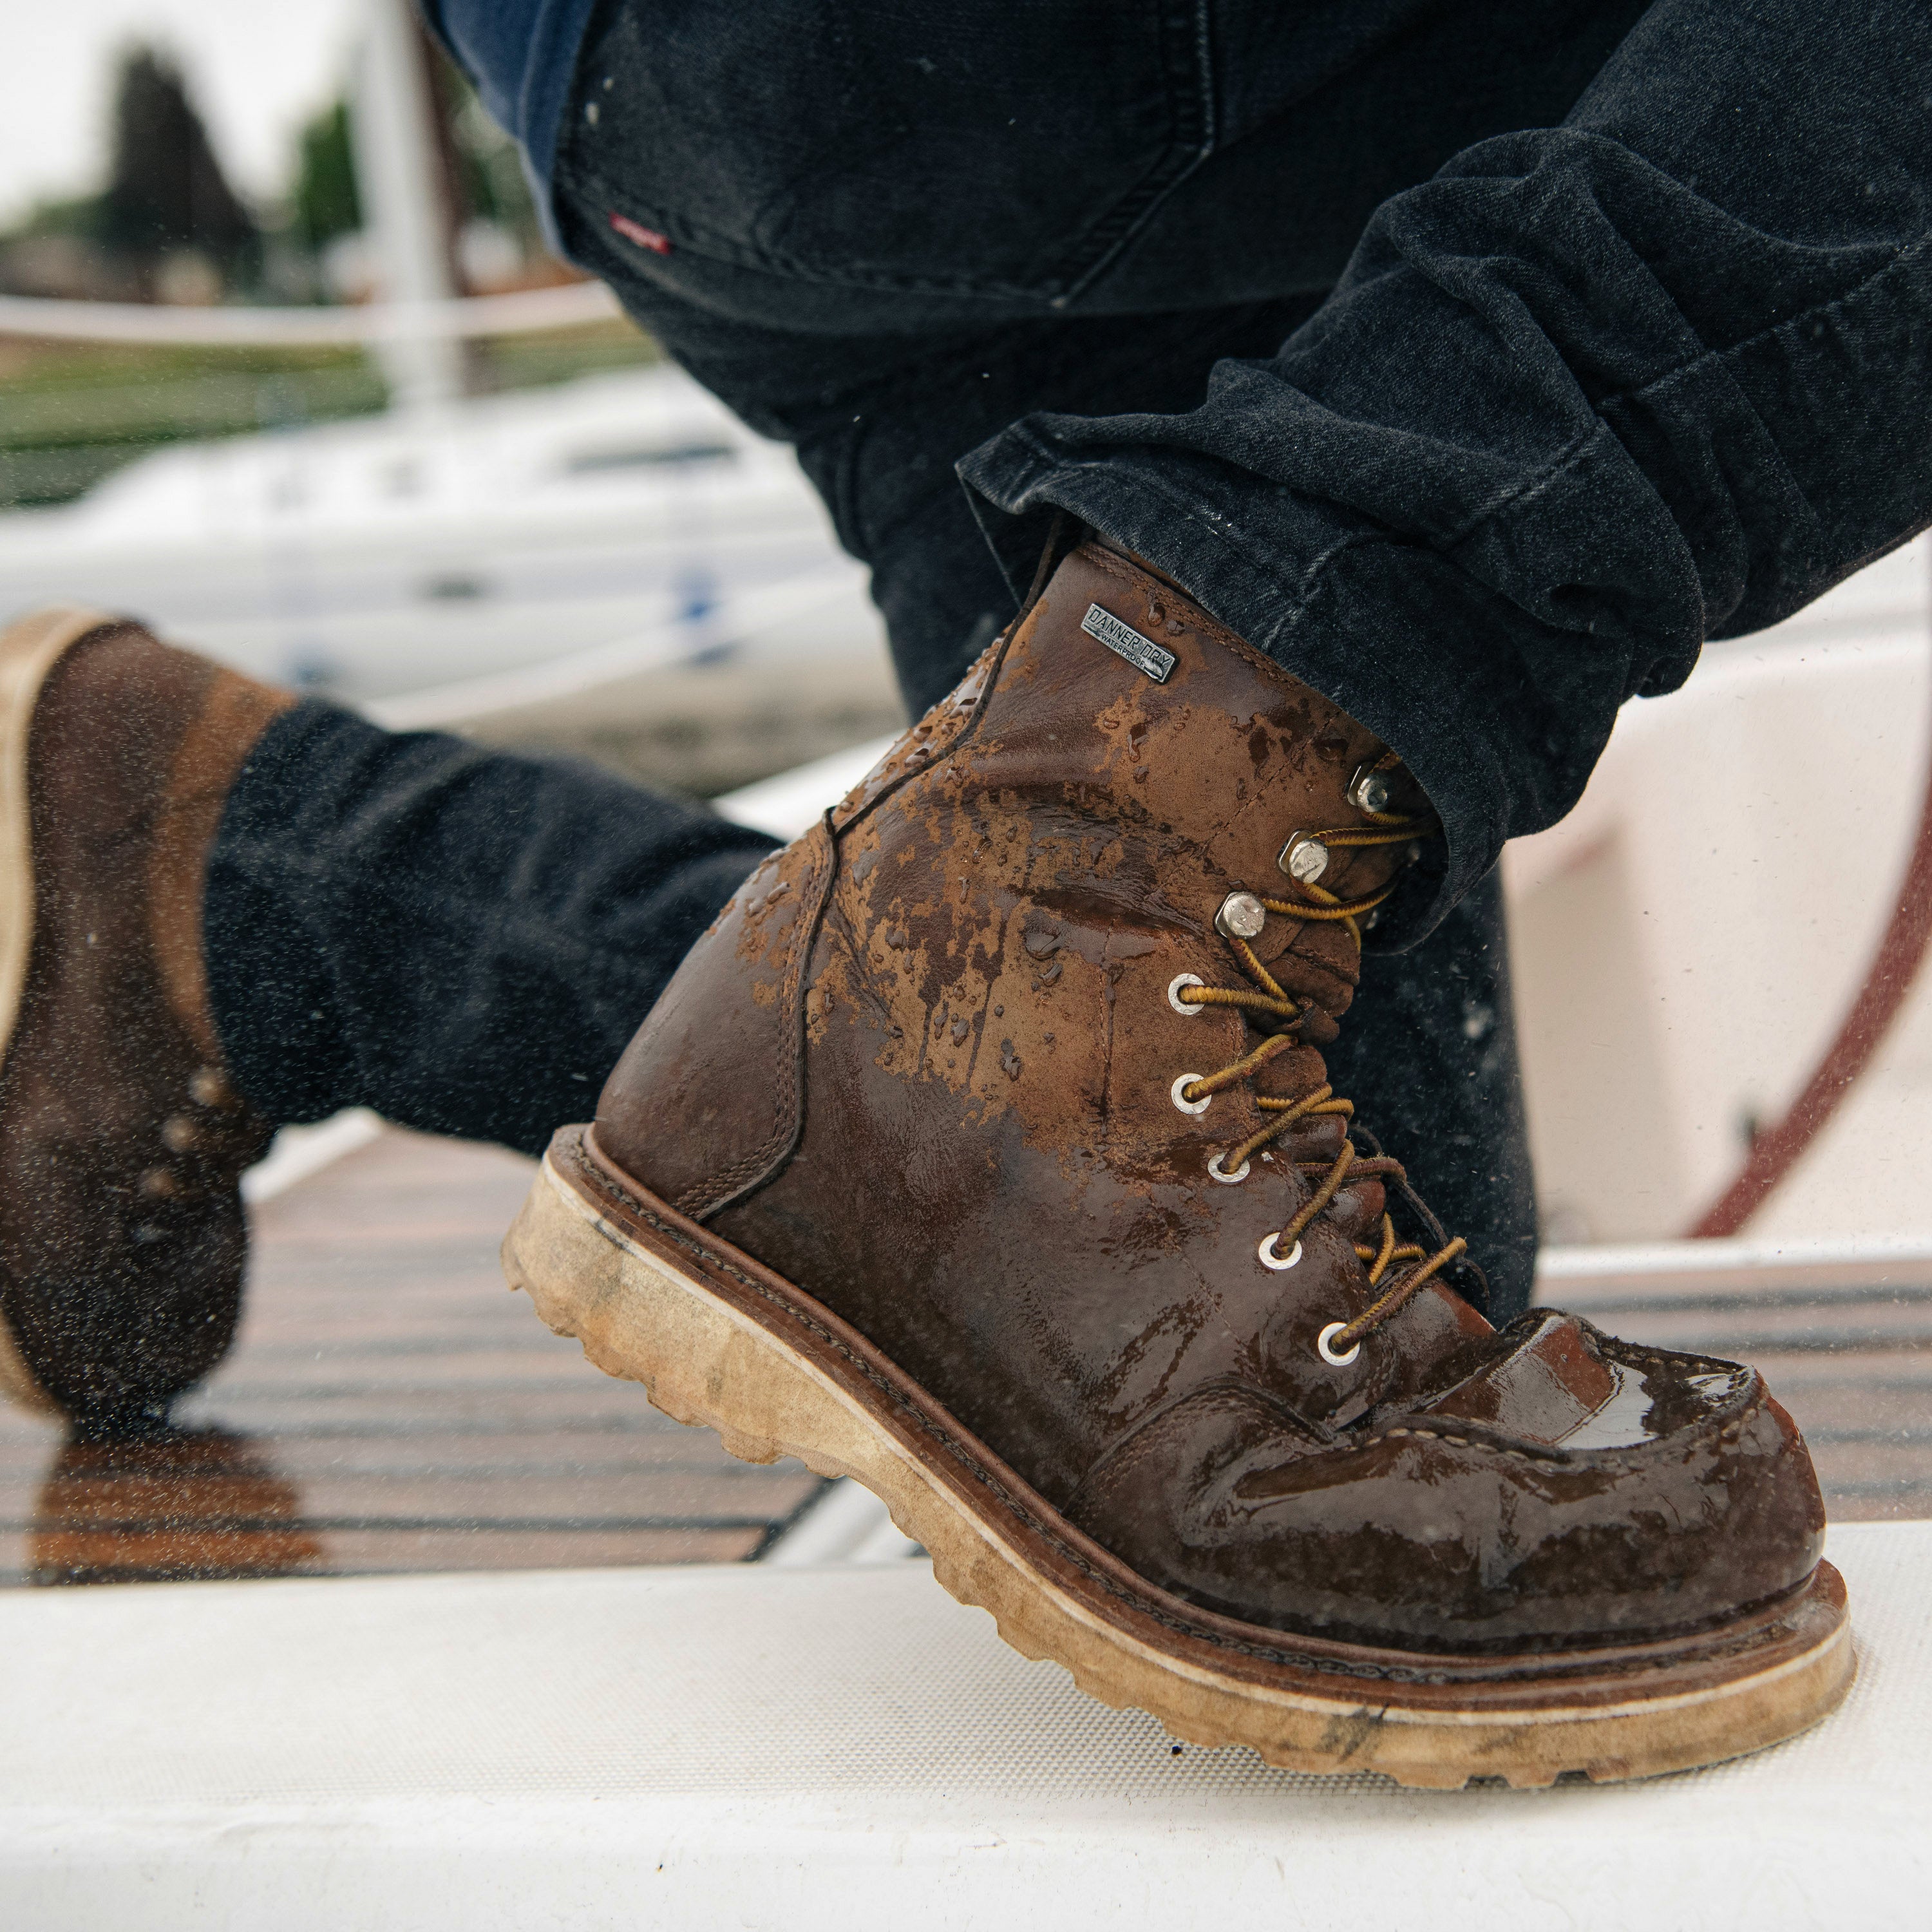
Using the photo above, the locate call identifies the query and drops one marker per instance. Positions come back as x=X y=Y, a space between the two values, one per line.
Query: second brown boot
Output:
x=983 y=1150
x=122 y=1140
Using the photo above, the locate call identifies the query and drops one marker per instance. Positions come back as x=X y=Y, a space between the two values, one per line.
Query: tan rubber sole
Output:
x=718 y=1341
x=29 y=650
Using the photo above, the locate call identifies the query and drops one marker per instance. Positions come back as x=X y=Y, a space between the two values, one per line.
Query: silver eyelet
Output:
x=1215 y=1168
x=1328 y=1354
x=1269 y=1259
x=1186 y=1007
x=1369 y=790
x=1241 y=916
x=1199 y=1106
x=1303 y=858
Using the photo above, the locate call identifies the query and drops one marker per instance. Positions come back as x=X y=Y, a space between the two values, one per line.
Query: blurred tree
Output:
x=71 y=214
x=482 y=173
x=166 y=195
x=325 y=201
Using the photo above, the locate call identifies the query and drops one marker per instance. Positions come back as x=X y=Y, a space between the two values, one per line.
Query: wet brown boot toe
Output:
x=122 y=1139
x=983 y=1150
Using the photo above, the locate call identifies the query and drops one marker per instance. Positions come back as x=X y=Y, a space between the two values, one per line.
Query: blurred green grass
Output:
x=71 y=413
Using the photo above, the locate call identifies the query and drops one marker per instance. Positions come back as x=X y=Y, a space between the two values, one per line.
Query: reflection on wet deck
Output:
x=204 y=1503
x=390 y=1407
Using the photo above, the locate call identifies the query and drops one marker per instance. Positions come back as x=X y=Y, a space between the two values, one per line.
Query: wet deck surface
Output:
x=390 y=1406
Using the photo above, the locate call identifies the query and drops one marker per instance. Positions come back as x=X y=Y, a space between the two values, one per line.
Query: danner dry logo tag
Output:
x=1124 y=641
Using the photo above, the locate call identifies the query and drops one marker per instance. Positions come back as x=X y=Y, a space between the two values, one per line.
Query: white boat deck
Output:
x=844 y=1748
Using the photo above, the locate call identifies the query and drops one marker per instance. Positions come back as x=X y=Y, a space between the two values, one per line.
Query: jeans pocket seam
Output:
x=1191 y=94
x=1187 y=70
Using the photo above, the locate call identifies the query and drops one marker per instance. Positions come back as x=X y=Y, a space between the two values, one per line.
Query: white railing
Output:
x=571 y=305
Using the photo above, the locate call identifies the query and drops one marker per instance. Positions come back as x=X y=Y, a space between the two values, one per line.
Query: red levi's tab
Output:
x=636 y=231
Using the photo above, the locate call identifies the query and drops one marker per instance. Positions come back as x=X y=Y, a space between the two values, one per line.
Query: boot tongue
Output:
x=1287 y=1076
x=1434 y=1341
x=1311 y=960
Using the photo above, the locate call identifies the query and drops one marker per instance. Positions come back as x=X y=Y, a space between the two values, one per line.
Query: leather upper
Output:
x=925 y=1065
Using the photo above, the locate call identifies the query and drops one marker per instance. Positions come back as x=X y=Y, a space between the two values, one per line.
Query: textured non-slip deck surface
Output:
x=390 y=1407
x=846 y=1749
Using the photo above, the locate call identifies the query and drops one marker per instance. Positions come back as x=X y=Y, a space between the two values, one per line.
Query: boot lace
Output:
x=1264 y=1001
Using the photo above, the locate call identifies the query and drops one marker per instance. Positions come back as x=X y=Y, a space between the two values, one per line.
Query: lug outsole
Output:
x=704 y=1360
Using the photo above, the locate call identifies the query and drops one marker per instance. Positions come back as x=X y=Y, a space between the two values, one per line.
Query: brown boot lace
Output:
x=1241 y=918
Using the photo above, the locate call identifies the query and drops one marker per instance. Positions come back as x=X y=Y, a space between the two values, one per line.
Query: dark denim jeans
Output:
x=1478 y=359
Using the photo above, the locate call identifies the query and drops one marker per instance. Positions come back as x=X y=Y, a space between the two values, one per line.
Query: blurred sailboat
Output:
x=487 y=562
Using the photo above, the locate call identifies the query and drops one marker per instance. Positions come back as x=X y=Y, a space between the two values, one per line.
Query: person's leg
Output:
x=460 y=937
x=1428 y=1055
x=226 y=911
x=1594 y=393
x=1010 y=1176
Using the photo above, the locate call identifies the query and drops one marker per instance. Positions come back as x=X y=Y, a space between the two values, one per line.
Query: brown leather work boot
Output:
x=121 y=1140
x=983 y=1149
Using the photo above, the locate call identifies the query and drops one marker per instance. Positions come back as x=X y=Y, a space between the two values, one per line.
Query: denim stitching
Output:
x=1298 y=598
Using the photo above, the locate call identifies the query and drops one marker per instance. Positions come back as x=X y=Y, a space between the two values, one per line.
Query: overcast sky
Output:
x=257 y=69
